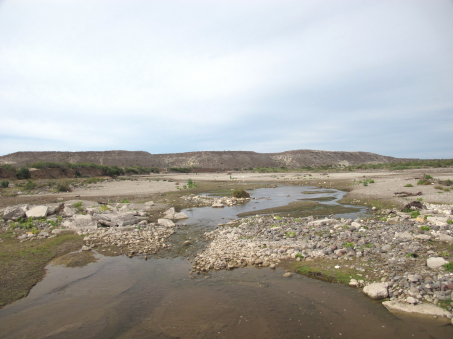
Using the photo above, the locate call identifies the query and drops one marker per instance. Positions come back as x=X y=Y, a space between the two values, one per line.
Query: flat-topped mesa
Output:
x=203 y=159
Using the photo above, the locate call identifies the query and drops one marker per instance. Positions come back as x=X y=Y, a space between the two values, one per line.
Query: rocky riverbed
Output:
x=402 y=256
x=393 y=255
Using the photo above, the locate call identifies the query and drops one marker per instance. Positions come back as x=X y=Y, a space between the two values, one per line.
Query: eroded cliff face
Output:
x=205 y=159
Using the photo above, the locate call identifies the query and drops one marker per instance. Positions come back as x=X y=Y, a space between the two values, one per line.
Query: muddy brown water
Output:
x=119 y=297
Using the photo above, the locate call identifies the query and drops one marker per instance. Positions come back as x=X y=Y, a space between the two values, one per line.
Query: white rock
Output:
x=423 y=309
x=411 y=300
x=436 y=262
x=166 y=222
x=180 y=215
x=37 y=212
x=217 y=205
x=376 y=290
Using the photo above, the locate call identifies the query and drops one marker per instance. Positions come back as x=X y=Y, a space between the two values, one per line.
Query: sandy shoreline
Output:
x=386 y=183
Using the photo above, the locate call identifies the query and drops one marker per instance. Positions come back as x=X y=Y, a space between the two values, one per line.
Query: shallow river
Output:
x=118 y=297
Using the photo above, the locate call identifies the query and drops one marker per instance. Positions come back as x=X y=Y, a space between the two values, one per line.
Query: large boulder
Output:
x=81 y=221
x=125 y=219
x=15 y=212
x=376 y=290
x=37 y=212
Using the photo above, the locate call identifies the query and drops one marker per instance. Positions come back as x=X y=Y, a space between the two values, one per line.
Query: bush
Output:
x=423 y=182
x=4 y=183
x=408 y=185
x=30 y=185
x=114 y=171
x=63 y=186
x=23 y=173
x=448 y=267
x=240 y=194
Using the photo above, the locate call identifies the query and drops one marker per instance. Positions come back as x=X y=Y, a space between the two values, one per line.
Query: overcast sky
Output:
x=266 y=76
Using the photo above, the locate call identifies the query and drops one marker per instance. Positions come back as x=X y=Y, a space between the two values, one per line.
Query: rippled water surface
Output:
x=118 y=297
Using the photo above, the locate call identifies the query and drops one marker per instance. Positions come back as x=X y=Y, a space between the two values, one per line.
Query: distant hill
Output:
x=205 y=159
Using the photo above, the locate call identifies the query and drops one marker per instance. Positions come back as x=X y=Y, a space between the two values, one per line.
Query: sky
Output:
x=266 y=76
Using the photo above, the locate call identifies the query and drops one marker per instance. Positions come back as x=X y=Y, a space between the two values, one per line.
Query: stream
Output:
x=121 y=297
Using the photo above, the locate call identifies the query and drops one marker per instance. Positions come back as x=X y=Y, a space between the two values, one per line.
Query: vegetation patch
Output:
x=325 y=270
x=22 y=263
x=298 y=209
x=239 y=193
x=76 y=259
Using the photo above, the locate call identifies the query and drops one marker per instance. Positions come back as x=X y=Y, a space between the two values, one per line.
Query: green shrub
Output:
x=77 y=204
x=30 y=185
x=408 y=185
x=4 y=183
x=450 y=221
x=190 y=183
x=415 y=214
x=427 y=177
x=23 y=173
x=424 y=228
x=348 y=244
x=180 y=169
x=114 y=171
x=448 y=267
x=93 y=180
x=423 y=182
x=237 y=193
x=125 y=201
x=63 y=186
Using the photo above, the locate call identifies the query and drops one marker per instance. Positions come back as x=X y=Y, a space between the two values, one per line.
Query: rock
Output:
x=422 y=237
x=353 y=283
x=14 y=212
x=124 y=219
x=411 y=300
x=149 y=203
x=166 y=222
x=422 y=309
x=403 y=235
x=376 y=291
x=82 y=221
x=54 y=208
x=68 y=211
x=436 y=262
x=321 y=222
x=37 y=212
x=445 y=237
x=180 y=215
x=218 y=205
x=287 y=274
x=86 y=248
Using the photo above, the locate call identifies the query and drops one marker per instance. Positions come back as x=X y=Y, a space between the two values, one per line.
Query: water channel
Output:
x=119 y=297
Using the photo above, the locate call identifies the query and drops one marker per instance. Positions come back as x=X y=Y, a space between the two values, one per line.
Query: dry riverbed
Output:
x=402 y=256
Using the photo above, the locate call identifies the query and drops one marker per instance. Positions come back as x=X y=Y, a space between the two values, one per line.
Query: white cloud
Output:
x=175 y=73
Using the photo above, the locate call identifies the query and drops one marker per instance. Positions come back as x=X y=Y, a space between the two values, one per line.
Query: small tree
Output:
x=4 y=183
x=23 y=173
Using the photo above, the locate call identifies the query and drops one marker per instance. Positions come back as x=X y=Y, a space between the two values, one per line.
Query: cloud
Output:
x=267 y=76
